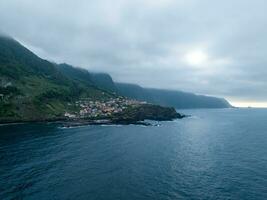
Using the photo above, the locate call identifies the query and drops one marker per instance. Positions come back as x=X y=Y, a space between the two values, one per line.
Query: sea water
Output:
x=214 y=154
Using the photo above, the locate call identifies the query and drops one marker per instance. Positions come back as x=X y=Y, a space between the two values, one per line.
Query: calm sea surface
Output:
x=215 y=154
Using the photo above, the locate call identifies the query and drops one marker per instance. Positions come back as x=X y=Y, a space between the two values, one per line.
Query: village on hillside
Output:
x=94 y=109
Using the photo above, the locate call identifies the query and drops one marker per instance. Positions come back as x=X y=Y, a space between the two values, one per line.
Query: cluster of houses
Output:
x=89 y=108
x=4 y=84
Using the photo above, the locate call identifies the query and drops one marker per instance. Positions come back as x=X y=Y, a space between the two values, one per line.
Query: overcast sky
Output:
x=210 y=47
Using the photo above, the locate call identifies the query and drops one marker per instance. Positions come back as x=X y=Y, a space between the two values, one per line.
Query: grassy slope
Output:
x=33 y=88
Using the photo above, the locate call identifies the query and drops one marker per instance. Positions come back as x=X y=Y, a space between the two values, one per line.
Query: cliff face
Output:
x=104 y=81
x=177 y=99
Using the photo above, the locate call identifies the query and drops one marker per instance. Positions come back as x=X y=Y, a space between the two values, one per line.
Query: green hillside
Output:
x=34 y=89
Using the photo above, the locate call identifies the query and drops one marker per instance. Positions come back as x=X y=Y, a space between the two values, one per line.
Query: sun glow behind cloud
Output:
x=196 y=58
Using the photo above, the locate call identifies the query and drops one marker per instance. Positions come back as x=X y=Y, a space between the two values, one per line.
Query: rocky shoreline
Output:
x=69 y=124
x=136 y=115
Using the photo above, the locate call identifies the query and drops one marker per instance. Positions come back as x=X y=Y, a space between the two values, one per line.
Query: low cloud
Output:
x=209 y=47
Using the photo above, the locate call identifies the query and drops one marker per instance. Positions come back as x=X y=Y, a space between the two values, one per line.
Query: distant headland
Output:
x=33 y=90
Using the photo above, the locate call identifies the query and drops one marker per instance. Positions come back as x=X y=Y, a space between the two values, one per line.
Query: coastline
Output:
x=84 y=122
x=132 y=115
x=66 y=122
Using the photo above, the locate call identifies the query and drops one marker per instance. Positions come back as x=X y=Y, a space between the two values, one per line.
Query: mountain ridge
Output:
x=174 y=98
x=163 y=97
x=32 y=87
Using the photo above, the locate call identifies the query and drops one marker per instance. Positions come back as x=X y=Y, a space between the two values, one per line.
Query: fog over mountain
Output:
x=202 y=46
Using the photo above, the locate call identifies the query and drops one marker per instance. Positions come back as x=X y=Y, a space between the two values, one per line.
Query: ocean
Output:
x=213 y=154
